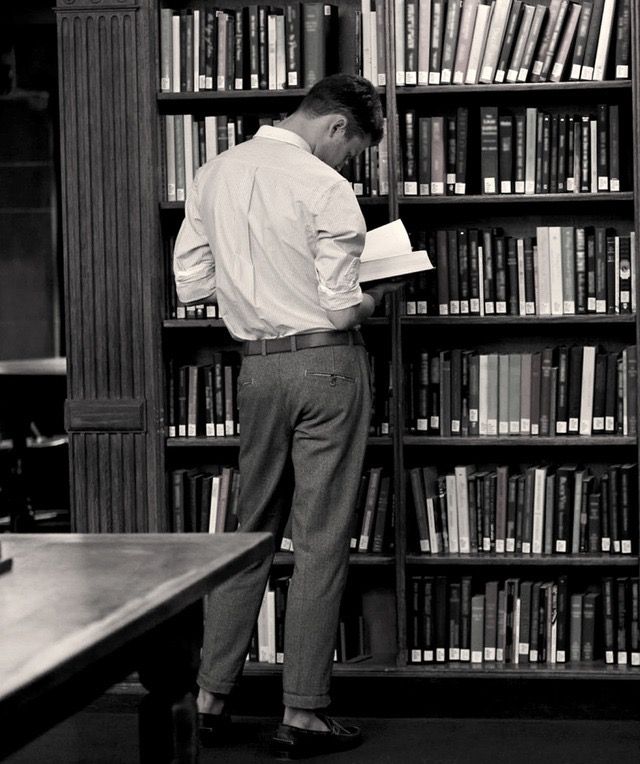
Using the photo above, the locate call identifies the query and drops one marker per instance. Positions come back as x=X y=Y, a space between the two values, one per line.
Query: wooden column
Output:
x=113 y=263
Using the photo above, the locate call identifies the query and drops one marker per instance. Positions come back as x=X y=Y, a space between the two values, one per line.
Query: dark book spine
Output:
x=254 y=48
x=263 y=48
x=451 y=155
x=553 y=155
x=463 y=267
x=293 y=35
x=585 y=154
x=239 y=52
x=614 y=148
x=489 y=149
x=520 y=152
x=622 y=40
x=562 y=154
x=452 y=257
x=462 y=140
x=581 y=40
x=424 y=156
x=505 y=137
x=410 y=170
x=474 y=273
x=608 y=613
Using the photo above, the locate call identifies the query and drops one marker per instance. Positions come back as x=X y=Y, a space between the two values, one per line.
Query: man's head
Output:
x=347 y=115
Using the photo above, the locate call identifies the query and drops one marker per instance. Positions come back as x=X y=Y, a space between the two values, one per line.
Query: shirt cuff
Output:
x=333 y=300
x=192 y=291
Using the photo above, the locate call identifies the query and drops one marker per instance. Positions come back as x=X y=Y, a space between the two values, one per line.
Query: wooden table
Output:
x=79 y=612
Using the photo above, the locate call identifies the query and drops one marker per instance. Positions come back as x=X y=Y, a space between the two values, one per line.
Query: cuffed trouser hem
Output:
x=310 y=702
x=215 y=686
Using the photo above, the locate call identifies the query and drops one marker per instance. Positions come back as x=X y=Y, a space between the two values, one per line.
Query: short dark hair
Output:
x=354 y=97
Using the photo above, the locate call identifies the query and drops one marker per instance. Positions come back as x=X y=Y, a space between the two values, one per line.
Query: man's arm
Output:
x=347 y=318
x=193 y=261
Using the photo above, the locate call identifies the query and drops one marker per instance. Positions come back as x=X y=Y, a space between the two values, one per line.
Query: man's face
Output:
x=336 y=148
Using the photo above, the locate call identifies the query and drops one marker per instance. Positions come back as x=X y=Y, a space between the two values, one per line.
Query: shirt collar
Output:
x=285 y=136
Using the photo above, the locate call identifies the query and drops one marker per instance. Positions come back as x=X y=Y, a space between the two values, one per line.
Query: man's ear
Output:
x=338 y=124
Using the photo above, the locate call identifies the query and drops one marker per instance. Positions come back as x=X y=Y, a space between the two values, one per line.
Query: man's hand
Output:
x=381 y=288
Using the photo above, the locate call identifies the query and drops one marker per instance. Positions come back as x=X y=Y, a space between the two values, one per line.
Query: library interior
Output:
x=396 y=239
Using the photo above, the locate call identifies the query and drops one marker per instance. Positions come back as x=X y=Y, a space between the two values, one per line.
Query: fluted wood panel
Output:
x=112 y=269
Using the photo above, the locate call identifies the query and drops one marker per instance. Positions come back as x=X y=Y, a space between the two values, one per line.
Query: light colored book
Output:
x=465 y=36
x=424 y=39
x=604 y=39
x=539 y=491
x=452 y=514
x=387 y=253
x=520 y=43
x=494 y=40
x=462 y=475
x=365 y=10
x=399 y=11
x=586 y=392
x=478 y=41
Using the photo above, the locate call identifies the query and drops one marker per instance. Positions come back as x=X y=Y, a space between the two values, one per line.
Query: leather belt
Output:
x=301 y=342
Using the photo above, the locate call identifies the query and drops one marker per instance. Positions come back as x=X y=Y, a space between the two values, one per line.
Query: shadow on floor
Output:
x=111 y=738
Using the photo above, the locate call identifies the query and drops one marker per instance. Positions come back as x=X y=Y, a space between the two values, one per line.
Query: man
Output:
x=273 y=233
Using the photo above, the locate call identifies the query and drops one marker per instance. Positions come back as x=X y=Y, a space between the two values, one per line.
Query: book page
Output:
x=386 y=241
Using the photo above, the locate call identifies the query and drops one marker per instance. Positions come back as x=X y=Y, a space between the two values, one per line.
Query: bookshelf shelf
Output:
x=595 y=670
x=531 y=88
x=203 y=97
x=364 y=201
x=599 y=319
x=356 y=560
x=218 y=323
x=233 y=441
x=529 y=560
x=558 y=441
x=369 y=668
x=202 y=442
x=193 y=323
x=506 y=199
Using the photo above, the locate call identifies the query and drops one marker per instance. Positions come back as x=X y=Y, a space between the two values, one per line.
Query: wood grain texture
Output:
x=105 y=415
x=72 y=599
x=113 y=287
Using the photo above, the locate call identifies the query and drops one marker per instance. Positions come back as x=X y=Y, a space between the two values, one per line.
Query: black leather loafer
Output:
x=296 y=743
x=214 y=729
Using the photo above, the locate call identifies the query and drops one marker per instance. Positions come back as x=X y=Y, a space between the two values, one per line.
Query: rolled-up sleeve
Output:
x=340 y=230
x=193 y=260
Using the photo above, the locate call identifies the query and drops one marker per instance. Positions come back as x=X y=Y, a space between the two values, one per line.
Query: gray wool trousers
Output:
x=304 y=423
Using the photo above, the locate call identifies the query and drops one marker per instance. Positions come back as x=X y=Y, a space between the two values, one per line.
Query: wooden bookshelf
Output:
x=541 y=322
x=513 y=559
x=116 y=226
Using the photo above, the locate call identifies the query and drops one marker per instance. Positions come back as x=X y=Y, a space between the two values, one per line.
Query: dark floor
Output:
x=101 y=737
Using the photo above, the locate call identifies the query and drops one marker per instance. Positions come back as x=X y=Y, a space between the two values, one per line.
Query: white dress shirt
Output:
x=275 y=233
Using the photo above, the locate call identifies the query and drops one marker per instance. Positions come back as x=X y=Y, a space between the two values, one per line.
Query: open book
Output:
x=387 y=253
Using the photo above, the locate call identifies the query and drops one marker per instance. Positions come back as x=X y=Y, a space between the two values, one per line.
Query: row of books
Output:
x=521 y=151
x=202 y=398
x=373 y=519
x=564 y=390
x=267 y=643
x=531 y=510
x=522 y=622
x=562 y=270
x=261 y=47
x=204 y=500
x=443 y=42
x=190 y=141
